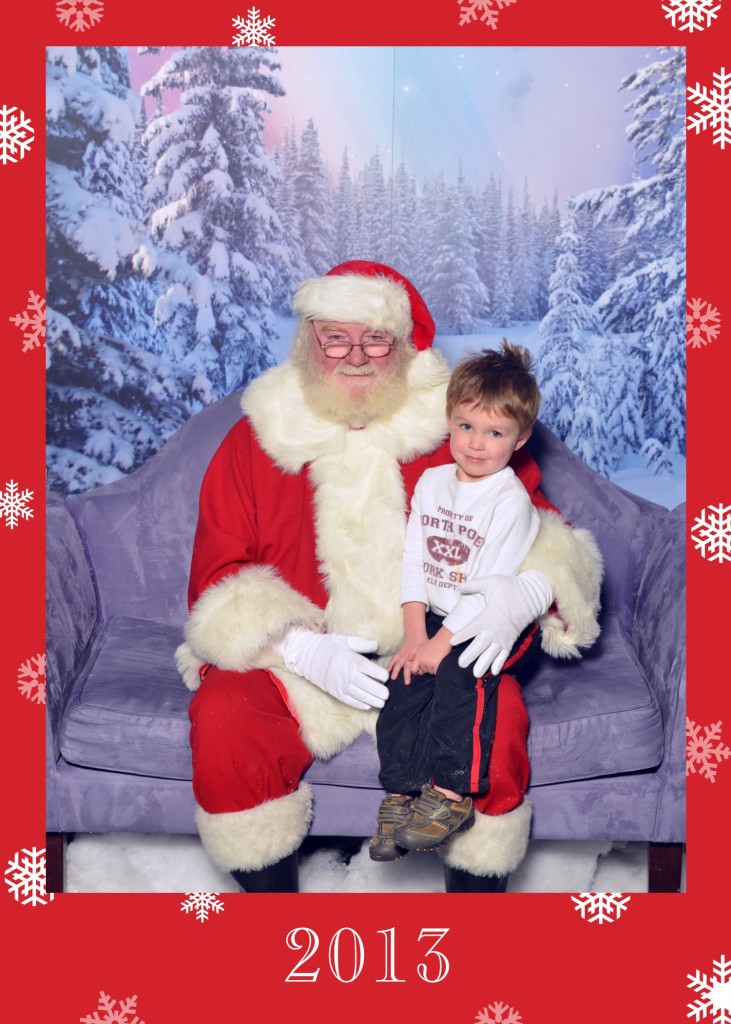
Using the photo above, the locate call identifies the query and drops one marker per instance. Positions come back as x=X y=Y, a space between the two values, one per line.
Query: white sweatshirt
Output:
x=458 y=531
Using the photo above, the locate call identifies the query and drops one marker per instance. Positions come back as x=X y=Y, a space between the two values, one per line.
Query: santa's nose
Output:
x=357 y=356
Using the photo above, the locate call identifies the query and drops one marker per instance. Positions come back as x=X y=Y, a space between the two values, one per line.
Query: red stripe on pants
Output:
x=476 y=745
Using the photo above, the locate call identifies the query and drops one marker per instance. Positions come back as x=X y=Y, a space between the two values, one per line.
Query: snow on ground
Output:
x=124 y=862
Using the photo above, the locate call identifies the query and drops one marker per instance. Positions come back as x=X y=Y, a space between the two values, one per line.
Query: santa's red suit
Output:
x=302 y=523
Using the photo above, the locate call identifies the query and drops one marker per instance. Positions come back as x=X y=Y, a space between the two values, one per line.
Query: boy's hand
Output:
x=428 y=656
x=403 y=656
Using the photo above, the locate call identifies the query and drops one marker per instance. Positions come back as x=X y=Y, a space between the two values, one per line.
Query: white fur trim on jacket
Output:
x=360 y=523
x=378 y=301
x=297 y=435
x=253 y=839
x=495 y=845
x=236 y=619
x=327 y=726
x=570 y=559
x=360 y=504
x=189 y=666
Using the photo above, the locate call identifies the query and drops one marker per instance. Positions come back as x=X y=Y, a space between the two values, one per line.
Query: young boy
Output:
x=468 y=519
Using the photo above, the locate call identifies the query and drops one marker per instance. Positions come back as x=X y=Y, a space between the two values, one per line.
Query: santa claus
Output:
x=294 y=589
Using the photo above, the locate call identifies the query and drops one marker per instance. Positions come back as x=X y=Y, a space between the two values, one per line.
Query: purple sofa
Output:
x=607 y=738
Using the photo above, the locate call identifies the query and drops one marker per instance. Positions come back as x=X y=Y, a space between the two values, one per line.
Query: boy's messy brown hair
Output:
x=500 y=380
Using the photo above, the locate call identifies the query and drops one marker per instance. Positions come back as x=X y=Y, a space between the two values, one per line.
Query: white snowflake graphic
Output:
x=715 y=108
x=601 y=906
x=702 y=323
x=32 y=679
x=13 y=504
x=711 y=533
x=487 y=10
x=79 y=14
x=715 y=993
x=691 y=14
x=253 y=31
x=25 y=877
x=203 y=903
x=703 y=750
x=498 y=1013
x=16 y=134
x=122 y=1015
x=32 y=320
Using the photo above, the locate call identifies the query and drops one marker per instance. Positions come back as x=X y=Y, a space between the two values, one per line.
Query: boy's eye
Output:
x=465 y=426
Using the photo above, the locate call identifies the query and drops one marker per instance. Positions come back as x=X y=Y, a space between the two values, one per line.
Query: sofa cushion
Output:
x=593 y=716
x=129 y=708
x=129 y=712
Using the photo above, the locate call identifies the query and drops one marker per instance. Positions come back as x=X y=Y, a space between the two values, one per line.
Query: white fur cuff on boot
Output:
x=253 y=839
x=495 y=845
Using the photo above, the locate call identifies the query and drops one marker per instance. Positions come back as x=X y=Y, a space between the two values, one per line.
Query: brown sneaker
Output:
x=433 y=818
x=391 y=813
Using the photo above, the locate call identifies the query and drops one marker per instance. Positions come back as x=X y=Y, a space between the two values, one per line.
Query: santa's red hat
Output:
x=362 y=292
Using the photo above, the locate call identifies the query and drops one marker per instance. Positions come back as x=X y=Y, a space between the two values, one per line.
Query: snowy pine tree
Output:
x=313 y=195
x=111 y=401
x=404 y=236
x=94 y=217
x=646 y=301
x=548 y=228
x=291 y=266
x=571 y=396
x=502 y=299
x=621 y=370
x=212 y=190
x=374 y=239
x=525 y=262
x=451 y=286
x=657 y=458
x=98 y=435
x=346 y=215
x=600 y=246
x=491 y=221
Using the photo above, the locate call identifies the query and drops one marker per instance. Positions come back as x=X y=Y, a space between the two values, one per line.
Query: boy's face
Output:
x=482 y=442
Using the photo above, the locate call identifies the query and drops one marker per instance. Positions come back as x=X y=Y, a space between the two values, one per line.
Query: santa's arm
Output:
x=558 y=585
x=569 y=558
x=238 y=605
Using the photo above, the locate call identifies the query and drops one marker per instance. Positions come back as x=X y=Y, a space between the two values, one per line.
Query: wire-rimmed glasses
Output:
x=375 y=344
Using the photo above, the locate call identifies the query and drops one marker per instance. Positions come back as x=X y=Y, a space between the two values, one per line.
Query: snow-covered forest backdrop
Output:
x=534 y=194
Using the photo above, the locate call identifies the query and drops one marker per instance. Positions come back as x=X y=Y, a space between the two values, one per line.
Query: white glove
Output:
x=336 y=664
x=511 y=604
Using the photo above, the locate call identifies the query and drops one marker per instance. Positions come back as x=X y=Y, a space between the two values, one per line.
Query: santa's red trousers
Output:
x=247 y=746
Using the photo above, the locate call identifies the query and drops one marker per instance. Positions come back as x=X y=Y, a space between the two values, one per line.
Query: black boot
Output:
x=283 y=876
x=456 y=880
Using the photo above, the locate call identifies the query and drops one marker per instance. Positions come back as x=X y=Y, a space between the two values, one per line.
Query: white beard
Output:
x=357 y=406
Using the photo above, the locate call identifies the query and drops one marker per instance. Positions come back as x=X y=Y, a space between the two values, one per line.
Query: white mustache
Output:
x=357 y=371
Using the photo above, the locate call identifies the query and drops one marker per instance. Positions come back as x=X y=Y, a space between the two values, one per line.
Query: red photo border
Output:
x=532 y=953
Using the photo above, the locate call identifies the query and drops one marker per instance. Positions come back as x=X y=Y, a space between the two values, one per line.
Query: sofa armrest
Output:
x=71 y=609
x=658 y=636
